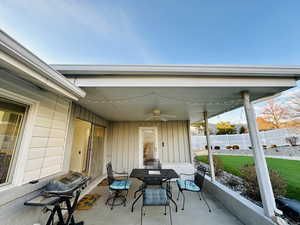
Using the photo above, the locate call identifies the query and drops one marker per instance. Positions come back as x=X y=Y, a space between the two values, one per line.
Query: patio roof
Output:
x=186 y=103
x=131 y=92
x=175 y=70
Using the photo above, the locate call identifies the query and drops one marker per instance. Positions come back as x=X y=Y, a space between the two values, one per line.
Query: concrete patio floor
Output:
x=195 y=213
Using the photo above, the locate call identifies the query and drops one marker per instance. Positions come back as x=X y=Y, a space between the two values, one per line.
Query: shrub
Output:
x=264 y=147
x=292 y=140
x=217 y=147
x=248 y=173
x=228 y=147
x=232 y=182
x=273 y=146
x=235 y=147
x=218 y=164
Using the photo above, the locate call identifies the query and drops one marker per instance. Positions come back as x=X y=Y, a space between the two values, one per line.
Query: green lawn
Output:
x=288 y=169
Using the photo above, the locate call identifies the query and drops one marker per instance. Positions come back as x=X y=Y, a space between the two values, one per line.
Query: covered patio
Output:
x=126 y=95
x=195 y=213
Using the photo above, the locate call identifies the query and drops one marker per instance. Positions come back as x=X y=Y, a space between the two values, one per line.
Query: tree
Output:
x=275 y=113
x=199 y=126
x=225 y=128
x=263 y=125
x=243 y=130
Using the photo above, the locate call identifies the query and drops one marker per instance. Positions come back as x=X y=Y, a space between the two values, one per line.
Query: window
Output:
x=11 y=121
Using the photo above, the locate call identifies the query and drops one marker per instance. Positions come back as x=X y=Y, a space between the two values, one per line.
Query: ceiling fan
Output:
x=156 y=115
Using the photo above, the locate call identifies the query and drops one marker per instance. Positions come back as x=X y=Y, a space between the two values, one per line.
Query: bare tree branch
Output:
x=275 y=113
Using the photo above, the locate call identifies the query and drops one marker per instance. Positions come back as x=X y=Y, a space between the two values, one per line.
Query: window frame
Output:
x=13 y=161
x=21 y=154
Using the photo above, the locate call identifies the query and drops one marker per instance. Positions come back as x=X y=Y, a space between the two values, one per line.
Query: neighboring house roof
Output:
x=205 y=70
x=12 y=50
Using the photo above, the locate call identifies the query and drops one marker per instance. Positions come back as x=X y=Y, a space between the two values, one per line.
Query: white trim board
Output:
x=214 y=70
x=31 y=75
x=164 y=81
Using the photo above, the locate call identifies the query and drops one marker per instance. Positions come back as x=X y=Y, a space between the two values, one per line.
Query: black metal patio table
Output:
x=164 y=174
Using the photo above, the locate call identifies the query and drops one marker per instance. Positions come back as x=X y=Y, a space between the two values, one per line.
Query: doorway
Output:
x=80 y=147
x=148 y=137
x=87 y=155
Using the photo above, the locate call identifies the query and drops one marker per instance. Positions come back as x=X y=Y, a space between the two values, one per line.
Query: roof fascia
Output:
x=208 y=70
x=15 y=50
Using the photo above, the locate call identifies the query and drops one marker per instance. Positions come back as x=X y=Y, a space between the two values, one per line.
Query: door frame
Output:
x=141 y=149
x=91 y=149
x=86 y=169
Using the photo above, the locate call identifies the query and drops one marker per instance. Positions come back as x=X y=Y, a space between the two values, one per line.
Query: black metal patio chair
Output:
x=195 y=185
x=117 y=187
x=152 y=164
x=156 y=197
x=151 y=181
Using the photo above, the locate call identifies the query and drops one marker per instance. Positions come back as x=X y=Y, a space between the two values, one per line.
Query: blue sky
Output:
x=148 y=32
x=156 y=31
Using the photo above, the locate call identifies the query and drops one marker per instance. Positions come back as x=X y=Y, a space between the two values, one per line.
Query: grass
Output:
x=288 y=169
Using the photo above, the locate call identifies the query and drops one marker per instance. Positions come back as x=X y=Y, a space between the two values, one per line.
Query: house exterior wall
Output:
x=41 y=157
x=47 y=156
x=123 y=143
x=45 y=153
x=84 y=114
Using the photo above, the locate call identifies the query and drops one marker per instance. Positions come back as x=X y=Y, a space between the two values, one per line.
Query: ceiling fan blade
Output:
x=168 y=115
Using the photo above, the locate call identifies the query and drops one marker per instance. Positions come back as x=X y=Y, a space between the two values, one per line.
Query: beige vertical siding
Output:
x=123 y=142
x=82 y=113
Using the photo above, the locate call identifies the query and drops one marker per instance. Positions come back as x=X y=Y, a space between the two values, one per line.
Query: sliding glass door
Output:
x=88 y=149
x=97 y=151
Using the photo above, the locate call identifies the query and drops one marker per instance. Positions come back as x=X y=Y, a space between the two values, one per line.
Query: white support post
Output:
x=210 y=154
x=262 y=172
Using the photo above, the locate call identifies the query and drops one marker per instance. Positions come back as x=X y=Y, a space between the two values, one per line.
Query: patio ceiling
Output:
x=186 y=103
x=131 y=92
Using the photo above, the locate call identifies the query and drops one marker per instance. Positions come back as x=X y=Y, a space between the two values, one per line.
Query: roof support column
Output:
x=262 y=172
x=210 y=154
